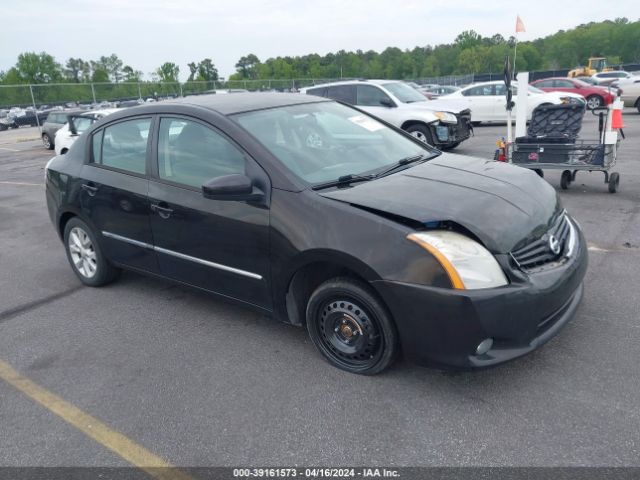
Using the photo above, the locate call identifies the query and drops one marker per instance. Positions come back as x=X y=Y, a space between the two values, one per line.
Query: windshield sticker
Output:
x=367 y=123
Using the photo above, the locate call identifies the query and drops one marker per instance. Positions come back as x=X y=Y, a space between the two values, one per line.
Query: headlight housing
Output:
x=468 y=264
x=446 y=117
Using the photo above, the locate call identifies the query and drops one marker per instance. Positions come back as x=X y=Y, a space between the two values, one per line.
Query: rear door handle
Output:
x=90 y=188
x=164 y=212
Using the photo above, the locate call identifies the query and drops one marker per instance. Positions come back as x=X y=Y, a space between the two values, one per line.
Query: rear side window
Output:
x=123 y=145
x=544 y=84
x=563 y=84
x=320 y=92
x=479 y=91
x=344 y=93
x=190 y=153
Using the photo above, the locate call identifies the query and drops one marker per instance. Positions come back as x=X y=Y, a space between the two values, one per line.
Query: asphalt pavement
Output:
x=201 y=382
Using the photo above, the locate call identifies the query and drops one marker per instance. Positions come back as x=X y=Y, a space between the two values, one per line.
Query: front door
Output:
x=114 y=192
x=221 y=246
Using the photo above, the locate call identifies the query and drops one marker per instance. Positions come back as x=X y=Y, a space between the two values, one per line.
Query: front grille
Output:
x=539 y=253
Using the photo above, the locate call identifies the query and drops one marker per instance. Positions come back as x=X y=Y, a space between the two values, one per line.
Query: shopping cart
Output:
x=552 y=143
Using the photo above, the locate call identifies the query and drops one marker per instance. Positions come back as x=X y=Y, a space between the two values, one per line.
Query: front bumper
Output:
x=444 y=326
x=446 y=135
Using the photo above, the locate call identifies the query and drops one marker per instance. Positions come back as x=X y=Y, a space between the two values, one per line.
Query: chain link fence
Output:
x=87 y=93
x=93 y=93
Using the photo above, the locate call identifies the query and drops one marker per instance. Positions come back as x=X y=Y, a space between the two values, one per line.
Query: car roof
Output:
x=364 y=81
x=244 y=102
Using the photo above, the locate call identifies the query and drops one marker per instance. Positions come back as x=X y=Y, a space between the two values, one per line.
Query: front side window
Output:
x=479 y=91
x=123 y=145
x=369 y=96
x=190 y=153
x=321 y=142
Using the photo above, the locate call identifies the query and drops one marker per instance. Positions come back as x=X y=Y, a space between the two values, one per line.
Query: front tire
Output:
x=85 y=256
x=421 y=132
x=594 y=101
x=46 y=141
x=351 y=328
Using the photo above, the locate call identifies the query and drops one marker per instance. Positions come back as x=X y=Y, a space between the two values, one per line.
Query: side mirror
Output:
x=236 y=187
x=72 y=127
x=386 y=102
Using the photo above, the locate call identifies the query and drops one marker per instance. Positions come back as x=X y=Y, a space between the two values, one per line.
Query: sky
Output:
x=147 y=33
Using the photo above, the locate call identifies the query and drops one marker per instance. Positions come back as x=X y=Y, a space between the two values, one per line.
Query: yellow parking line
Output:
x=26 y=184
x=90 y=426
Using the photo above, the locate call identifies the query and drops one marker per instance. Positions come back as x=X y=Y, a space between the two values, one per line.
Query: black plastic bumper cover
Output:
x=445 y=326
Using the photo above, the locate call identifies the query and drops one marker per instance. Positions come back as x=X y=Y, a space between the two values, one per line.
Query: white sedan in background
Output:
x=65 y=137
x=488 y=100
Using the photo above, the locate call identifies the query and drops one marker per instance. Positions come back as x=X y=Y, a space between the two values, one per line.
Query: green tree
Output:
x=77 y=70
x=247 y=66
x=168 y=72
x=37 y=68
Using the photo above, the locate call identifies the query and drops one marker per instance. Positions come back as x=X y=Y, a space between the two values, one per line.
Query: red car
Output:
x=596 y=96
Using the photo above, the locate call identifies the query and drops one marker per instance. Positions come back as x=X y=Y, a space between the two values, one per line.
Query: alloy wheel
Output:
x=83 y=254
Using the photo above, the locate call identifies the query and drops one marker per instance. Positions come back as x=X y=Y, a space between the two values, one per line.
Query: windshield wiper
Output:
x=344 y=180
x=401 y=163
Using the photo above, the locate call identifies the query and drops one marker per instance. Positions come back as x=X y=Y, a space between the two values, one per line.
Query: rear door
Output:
x=218 y=245
x=114 y=192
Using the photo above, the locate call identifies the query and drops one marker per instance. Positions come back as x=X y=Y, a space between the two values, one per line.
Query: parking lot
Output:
x=200 y=382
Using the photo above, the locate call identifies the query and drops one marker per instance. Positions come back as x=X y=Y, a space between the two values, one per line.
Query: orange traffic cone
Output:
x=616 y=119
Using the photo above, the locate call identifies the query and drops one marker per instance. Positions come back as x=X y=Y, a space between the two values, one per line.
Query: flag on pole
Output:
x=519 y=25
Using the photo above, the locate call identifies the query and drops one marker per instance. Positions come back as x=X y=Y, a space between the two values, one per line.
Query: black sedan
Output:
x=323 y=216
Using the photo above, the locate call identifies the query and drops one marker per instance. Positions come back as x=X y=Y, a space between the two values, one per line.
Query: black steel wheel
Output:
x=46 y=141
x=565 y=179
x=614 y=181
x=351 y=327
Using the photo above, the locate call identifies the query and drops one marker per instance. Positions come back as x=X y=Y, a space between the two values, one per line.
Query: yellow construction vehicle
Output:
x=596 y=64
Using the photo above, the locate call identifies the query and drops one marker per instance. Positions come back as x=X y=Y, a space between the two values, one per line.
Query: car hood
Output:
x=453 y=105
x=503 y=205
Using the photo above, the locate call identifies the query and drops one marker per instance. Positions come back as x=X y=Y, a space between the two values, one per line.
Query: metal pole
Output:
x=93 y=92
x=33 y=100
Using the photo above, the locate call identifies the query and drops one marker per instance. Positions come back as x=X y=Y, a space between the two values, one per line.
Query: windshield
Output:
x=321 y=142
x=404 y=92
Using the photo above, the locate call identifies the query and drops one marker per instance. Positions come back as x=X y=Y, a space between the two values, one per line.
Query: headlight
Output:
x=468 y=264
x=446 y=117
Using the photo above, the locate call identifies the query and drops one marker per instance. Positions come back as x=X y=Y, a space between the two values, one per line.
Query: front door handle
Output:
x=90 y=188
x=163 y=211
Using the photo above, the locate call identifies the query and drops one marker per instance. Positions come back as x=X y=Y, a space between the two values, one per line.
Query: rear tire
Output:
x=614 y=181
x=350 y=327
x=85 y=256
x=565 y=179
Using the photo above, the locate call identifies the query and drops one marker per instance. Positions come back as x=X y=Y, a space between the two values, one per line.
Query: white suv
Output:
x=404 y=107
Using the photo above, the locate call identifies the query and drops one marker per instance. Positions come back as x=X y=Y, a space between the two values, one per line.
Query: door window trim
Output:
x=154 y=173
x=89 y=159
